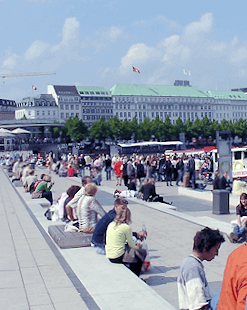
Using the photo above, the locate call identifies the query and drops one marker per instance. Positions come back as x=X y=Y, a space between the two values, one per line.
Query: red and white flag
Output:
x=136 y=70
x=34 y=87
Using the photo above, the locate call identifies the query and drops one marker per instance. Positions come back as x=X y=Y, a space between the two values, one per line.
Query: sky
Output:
x=96 y=43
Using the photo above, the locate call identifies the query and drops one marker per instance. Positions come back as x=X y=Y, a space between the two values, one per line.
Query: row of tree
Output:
x=115 y=129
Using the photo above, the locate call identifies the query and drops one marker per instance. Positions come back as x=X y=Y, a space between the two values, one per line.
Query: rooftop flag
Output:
x=186 y=72
x=136 y=70
x=34 y=87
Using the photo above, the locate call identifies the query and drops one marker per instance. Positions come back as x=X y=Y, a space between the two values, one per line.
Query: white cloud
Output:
x=239 y=55
x=114 y=33
x=218 y=47
x=193 y=30
x=138 y=53
x=70 y=33
x=36 y=49
x=70 y=30
x=157 y=20
x=10 y=62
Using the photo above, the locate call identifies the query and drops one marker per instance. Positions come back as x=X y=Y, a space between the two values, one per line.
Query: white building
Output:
x=86 y=102
x=176 y=101
x=42 y=107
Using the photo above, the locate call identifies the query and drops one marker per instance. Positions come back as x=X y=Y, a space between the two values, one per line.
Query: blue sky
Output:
x=96 y=42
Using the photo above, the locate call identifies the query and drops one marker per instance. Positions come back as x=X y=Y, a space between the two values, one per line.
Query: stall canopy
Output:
x=20 y=131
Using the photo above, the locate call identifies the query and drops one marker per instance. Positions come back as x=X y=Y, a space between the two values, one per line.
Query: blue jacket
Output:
x=100 y=229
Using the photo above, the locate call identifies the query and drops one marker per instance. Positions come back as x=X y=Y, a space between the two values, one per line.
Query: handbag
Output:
x=37 y=194
x=132 y=255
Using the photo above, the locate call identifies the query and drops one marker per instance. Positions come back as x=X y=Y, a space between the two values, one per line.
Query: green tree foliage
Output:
x=227 y=126
x=215 y=126
x=157 y=128
x=134 y=128
x=76 y=129
x=126 y=130
x=240 y=128
x=99 y=130
x=189 y=129
x=145 y=131
x=114 y=126
x=167 y=131
x=178 y=128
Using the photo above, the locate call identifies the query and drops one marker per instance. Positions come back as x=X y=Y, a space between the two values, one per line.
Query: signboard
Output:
x=224 y=146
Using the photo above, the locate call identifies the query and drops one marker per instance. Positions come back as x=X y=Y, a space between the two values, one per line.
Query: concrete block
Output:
x=67 y=240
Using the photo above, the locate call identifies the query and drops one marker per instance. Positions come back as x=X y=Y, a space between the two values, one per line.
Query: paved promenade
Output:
x=34 y=276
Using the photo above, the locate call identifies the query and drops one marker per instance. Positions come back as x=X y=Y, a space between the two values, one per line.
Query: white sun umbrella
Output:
x=6 y=134
x=20 y=131
x=3 y=130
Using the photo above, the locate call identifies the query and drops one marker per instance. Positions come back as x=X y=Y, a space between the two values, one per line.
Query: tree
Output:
x=215 y=126
x=24 y=118
x=189 y=129
x=205 y=127
x=167 y=131
x=227 y=126
x=134 y=128
x=145 y=131
x=178 y=127
x=76 y=129
x=126 y=131
x=99 y=130
x=114 y=126
x=157 y=127
x=240 y=128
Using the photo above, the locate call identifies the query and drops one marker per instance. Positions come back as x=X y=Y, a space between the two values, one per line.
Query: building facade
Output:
x=96 y=102
x=7 y=109
x=42 y=107
x=127 y=101
x=85 y=102
x=150 y=101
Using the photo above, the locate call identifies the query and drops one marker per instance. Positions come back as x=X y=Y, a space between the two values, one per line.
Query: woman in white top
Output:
x=88 y=209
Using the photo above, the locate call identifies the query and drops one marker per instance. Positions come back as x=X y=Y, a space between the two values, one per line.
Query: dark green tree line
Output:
x=157 y=129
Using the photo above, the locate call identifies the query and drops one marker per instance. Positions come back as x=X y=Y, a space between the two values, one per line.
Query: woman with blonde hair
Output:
x=118 y=232
x=88 y=209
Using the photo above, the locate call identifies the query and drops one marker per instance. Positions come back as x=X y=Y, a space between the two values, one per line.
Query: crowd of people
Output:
x=79 y=207
x=112 y=235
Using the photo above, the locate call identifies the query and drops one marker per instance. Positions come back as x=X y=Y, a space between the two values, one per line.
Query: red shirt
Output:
x=70 y=172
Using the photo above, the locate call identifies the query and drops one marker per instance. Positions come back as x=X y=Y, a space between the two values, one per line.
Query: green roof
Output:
x=157 y=90
x=93 y=91
x=228 y=95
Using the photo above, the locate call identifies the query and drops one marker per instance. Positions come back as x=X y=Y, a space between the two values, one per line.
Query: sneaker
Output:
x=232 y=237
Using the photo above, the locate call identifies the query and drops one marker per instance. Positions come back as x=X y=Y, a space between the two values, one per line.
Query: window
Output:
x=61 y=106
x=49 y=112
x=66 y=107
x=43 y=112
x=71 y=107
x=62 y=115
x=77 y=107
